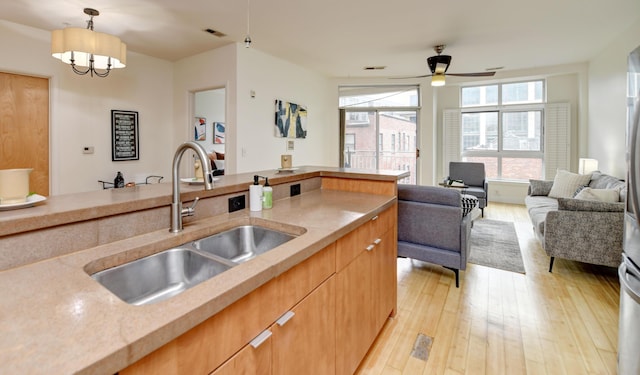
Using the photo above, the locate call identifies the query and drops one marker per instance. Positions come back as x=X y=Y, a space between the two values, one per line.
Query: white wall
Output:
x=271 y=78
x=607 y=103
x=80 y=111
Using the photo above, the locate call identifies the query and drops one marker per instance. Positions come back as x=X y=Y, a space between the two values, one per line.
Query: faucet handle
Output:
x=189 y=211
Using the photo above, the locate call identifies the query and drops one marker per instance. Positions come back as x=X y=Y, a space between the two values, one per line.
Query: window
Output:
x=502 y=126
x=349 y=142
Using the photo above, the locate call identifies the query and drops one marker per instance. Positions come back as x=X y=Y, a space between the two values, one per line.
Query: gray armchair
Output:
x=473 y=175
x=432 y=228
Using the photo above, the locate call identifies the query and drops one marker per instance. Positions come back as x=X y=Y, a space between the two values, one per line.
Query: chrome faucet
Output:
x=177 y=212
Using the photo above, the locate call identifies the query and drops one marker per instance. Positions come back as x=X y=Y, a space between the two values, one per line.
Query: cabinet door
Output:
x=354 y=326
x=253 y=359
x=304 y=339
x=384 y=260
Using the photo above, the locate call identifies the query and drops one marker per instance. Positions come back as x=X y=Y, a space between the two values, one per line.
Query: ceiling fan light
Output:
x=437 y=80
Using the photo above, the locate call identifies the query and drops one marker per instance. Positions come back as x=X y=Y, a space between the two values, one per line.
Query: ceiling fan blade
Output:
x=423 y=76
x=480 y=74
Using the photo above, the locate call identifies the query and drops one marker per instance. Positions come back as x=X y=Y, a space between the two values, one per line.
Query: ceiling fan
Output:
x=439 y=64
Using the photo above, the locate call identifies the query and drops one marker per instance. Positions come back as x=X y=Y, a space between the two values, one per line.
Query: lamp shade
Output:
x=437 y=80
x=586 y=166
x=80 y=44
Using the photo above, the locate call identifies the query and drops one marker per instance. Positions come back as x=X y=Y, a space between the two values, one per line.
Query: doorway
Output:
x=209 y=125
x=24 y=127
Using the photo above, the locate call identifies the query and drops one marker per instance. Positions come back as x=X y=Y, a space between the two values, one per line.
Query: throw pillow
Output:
x=601 y=195
x=566 y=183
x=540 y=187
x=468 y=203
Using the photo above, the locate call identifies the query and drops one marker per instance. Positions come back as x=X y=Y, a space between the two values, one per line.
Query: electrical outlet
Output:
x=236 y=203
x=295 y=190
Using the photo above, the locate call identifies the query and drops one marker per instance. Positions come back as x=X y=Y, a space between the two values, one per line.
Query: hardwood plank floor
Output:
x=499 y=322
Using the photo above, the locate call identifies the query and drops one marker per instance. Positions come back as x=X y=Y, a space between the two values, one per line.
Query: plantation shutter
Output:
x=452 y=138
x=557 y=145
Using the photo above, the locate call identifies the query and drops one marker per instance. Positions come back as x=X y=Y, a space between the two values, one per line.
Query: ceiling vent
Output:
x=215 y=32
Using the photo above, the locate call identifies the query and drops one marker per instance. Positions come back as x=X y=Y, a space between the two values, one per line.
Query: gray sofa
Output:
x=432 y=227
x=575 y=229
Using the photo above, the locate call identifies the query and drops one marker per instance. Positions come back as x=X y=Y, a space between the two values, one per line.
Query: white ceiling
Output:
x=340 y=37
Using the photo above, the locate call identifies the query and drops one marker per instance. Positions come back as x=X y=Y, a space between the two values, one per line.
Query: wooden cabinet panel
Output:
x=248 y=361
x=384 y=269
x=354 y=326
x=352 y=245
x=305 y=344
x=299 y=281
x=360 y=186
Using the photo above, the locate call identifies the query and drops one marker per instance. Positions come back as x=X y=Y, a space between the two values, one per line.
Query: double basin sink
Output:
x=170 y=272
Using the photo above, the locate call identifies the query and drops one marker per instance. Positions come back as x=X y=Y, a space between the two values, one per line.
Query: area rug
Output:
x=495 y=244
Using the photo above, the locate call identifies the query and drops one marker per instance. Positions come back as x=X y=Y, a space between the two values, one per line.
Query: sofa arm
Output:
x=570 y=204
x=591 y=237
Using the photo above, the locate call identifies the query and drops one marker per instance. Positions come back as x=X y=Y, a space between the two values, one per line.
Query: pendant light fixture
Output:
x=88 y=51
x=247 y=39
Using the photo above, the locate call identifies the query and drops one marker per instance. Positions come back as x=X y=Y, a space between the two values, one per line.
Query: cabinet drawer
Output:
x=351 y=245
x=384 y=221
x=299 y=281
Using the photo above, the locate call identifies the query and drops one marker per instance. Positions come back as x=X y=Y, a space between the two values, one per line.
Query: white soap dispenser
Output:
x=255 y=195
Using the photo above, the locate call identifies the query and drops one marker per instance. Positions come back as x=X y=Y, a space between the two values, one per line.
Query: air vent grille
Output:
x=215 y=32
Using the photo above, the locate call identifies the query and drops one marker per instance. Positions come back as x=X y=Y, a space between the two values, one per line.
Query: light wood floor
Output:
x=499 y=322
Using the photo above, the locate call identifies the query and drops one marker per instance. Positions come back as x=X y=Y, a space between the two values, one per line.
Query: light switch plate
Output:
x=87 y=150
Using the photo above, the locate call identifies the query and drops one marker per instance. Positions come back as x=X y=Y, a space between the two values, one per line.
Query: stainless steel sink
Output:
x=170 y=272
x=160 y=276
x=242 y=243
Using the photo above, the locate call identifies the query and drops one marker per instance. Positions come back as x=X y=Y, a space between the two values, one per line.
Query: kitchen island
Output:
x=57 y=319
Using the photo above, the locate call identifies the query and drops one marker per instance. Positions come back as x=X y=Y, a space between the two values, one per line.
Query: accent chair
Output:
x=473 y=175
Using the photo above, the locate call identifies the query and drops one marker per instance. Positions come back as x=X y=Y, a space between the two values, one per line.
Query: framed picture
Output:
x=200 y=129
x=218 y=132
x=125 y=142
x=290 y=120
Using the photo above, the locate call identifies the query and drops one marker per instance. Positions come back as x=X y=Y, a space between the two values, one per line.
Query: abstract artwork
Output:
x=200 y=129
x=218 y=132
x=290 y=120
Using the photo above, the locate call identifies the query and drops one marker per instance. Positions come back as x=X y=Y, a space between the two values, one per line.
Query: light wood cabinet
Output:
x=254 y=359
x=365 y=288
x=305 y=342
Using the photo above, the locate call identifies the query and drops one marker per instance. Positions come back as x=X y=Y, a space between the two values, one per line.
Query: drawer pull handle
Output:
x=374 y=218
x=370 y=247
x=377 y=241
x=285 y=318
x=261 y=338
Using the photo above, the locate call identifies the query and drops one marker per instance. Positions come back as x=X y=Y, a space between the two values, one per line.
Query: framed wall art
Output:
x=218 y=132
x=200 y=129
x=290 y=120
x=125 y=140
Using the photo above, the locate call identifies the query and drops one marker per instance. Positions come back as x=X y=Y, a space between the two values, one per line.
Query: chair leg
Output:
x=482 y=211
x=457 y=272
x=551 y=263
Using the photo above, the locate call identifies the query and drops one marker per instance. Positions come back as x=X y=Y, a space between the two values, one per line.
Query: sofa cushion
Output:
x=569 y=204
x=538 y=207
x=602 y=195
x=540 y=187
x=566 y=183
